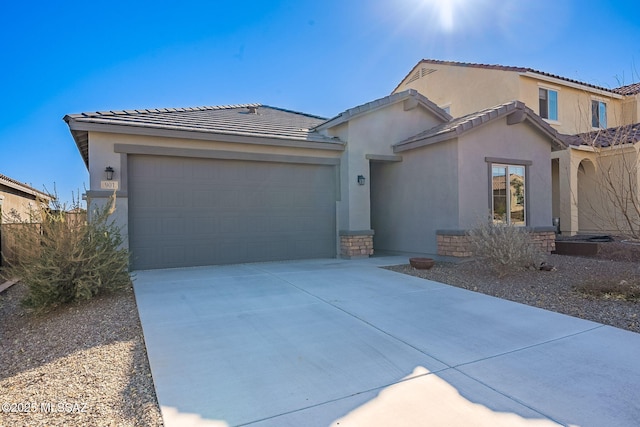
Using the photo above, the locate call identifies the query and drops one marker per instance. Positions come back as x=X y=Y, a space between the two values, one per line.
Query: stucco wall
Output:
x=464 y=89
x=23 y=204
x=574 y=105
x=469 y=89
x=373 y=133
x=518 y=142
x=414 y=198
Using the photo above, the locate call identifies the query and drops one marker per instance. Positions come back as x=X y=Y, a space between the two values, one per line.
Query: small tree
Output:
x=63 y=261
x=505 y=248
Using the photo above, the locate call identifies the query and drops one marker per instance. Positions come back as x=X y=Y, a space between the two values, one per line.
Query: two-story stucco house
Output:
x=569 y=106
x=245 y=183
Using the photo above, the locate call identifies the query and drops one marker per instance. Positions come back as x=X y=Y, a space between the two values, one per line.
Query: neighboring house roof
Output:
x=24 y=188
x=383 y=102
x=457 y=127
x=631 y=89
x=245 y=120
x=627 y=134
x=500 y=68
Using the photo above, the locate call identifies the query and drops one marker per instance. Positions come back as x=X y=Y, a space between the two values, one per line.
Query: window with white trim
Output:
x=508 y=194
x=598 y=114
x=548 y=104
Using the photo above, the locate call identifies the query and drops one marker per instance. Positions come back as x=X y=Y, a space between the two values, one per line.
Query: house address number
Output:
x=109 y=185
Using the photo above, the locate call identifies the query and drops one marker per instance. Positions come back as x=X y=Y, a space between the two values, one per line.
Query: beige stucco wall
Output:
x=574 y=105
x=372 y=133
x=25 y=205
x=464 y=89
x=467 y=90
x=518 y=142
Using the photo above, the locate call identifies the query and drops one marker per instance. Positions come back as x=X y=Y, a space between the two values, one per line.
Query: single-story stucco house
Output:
x=245 y=183
x=18 y=202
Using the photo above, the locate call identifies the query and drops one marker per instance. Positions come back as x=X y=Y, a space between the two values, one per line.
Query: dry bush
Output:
x=611 y=289
x=63 y=261
x=505 y=248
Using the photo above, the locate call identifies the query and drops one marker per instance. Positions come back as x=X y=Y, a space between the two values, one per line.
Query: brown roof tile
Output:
x=504 y=68
x=631 y=89
x=628 y=134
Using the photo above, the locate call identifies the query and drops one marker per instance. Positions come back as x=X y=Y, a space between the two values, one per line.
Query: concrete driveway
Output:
x=345 y=343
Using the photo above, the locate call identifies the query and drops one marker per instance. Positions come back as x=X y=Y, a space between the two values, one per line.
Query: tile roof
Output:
x=503 y=68
x=631 y=89
x=382 y=102
x=628 y=134
x=21 y=186
x=250 y=120
x=461 y=125
x=228 y=119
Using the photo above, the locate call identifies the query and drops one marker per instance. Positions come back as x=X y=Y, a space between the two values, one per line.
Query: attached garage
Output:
x=187 y=211
x=214 y=185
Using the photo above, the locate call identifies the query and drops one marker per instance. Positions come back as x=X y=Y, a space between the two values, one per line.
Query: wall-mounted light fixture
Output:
x=109 y=171
x=1 y=199
x=360 y=179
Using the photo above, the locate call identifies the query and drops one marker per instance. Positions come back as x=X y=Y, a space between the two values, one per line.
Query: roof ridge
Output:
x=505 y=68
x=163 y=110
x=4 y=177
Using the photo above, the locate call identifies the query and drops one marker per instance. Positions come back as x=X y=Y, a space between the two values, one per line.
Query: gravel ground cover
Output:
x=80 y=365
x=614 y=271
x=86 y=364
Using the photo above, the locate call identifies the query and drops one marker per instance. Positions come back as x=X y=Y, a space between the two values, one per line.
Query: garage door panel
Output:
x=185 y=212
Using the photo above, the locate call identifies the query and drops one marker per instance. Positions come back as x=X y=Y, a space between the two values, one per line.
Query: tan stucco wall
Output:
x=574 y=105
x=467 y=90
x=464 y=89
x=373 y=133
x=25 y=205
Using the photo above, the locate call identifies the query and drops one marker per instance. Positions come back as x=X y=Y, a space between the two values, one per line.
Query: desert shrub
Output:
x=63 y=260
x=505 y=248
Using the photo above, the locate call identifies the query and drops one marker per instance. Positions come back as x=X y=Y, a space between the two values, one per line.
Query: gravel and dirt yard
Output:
x=86 y=363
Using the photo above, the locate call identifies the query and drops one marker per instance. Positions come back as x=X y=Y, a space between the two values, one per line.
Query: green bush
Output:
x=505 y=248
x=66 y=258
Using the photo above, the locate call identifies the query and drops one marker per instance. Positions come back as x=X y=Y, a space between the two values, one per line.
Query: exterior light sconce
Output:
x=1 y=199
x=109 y=171
x=360 y=179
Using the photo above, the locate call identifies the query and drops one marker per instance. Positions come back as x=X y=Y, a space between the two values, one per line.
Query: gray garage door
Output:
x=188 y=212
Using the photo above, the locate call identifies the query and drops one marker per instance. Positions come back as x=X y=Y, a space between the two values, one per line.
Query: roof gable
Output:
x=515 y=111
x=416 y=69
x=383 y=102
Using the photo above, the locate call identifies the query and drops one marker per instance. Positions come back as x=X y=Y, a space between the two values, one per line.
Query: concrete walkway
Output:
x=344 y=343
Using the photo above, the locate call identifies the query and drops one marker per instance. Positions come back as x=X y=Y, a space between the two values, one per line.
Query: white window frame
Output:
x=600 y=102
x=548 y=89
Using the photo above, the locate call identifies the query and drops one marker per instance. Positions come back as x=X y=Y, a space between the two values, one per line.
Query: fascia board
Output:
x=205 y=136
x=573 y=85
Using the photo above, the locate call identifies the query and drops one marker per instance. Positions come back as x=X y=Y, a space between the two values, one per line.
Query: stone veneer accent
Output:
x=356 y=244
x=456 y=243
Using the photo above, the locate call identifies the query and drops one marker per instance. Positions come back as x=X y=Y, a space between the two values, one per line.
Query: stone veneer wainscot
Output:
x=457 y=243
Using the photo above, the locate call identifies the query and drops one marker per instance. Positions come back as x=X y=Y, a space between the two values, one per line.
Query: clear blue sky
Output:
x=318 y=57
